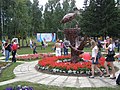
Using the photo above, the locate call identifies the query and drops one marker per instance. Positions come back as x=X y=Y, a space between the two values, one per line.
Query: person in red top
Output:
x=14 y=50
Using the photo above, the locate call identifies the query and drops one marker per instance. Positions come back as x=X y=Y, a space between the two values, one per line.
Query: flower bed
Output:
x=19 y=87
x=62 y=64
x=33 y=56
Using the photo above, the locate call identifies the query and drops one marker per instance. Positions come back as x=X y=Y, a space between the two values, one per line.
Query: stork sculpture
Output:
x=77 y=42
x=70 y=16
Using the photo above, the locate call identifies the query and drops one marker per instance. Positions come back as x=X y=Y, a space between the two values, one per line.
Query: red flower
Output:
x=52 y=62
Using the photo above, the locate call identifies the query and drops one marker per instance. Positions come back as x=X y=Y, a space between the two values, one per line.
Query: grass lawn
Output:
x=27 y=50
x=46 y=87
x=8 y=74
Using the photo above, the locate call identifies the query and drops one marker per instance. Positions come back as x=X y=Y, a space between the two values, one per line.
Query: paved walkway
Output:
x=27 y=72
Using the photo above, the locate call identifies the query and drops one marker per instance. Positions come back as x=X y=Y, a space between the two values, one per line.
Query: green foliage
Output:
x=28 y=50
x=100 y=18
x=22 y=18
x=36 y=17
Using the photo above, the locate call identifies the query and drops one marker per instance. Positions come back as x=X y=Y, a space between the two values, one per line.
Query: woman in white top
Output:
x=31 y=44
x=95 y=60
x=110 y=59
x=58 y=49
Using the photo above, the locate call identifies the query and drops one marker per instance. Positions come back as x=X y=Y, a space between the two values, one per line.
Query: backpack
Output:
x=118 y=79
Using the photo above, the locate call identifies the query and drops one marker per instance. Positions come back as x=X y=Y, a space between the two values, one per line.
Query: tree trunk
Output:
x=26 y=42
x=22 y=42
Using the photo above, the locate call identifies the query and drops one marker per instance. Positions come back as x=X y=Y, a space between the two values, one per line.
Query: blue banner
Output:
x=48 y=37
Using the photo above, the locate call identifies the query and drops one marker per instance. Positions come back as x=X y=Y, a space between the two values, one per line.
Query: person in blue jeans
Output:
x=34 y=48
x=65 y=46
x=7 y=50
x=65 y=50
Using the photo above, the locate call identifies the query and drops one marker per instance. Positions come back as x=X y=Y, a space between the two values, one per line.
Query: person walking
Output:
x=14 y=50
x=34 y=48
x=110 y=59
x=99 y=44
x=31 y=44
x=61 y=46
x=58 y=49
x=65 y=47
x=3 y=48
x=95 y=60
x=7 y=47
x=42 y=45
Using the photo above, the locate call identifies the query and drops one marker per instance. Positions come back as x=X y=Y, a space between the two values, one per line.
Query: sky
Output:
x=79 y=3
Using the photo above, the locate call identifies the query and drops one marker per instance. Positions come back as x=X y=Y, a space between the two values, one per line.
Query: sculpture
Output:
x=77 y=42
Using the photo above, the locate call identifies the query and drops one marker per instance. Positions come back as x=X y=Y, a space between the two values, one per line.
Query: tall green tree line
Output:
x=101 y=18
x=22 y=18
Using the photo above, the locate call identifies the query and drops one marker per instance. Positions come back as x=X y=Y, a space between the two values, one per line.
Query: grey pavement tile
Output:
x=59 y=81
x=48 y=80
x=36 y=79
x=26 y=74
x=84 y=82
x=27 y=77
x=71 y=82
x=42 y=77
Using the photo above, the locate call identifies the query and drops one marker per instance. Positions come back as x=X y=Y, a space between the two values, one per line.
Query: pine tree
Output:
x=100 y=18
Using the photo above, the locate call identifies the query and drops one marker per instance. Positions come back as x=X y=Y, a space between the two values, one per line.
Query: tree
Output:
x=110 y=18
x=48 y=17
x=36 y=17
x=99 y=18
x=52 y=16
x=7 y=14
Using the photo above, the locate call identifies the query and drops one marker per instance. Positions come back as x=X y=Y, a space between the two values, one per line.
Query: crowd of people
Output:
x=109 y=47
x=8 y=48
x=97 y=46
x=61 y=48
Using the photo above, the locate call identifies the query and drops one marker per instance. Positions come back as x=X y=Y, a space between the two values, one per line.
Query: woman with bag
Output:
x=110 y=58
x=7 y=47
x=95 y=59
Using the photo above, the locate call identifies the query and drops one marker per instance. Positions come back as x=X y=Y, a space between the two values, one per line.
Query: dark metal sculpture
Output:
x=77 y=42
x=68 y=17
